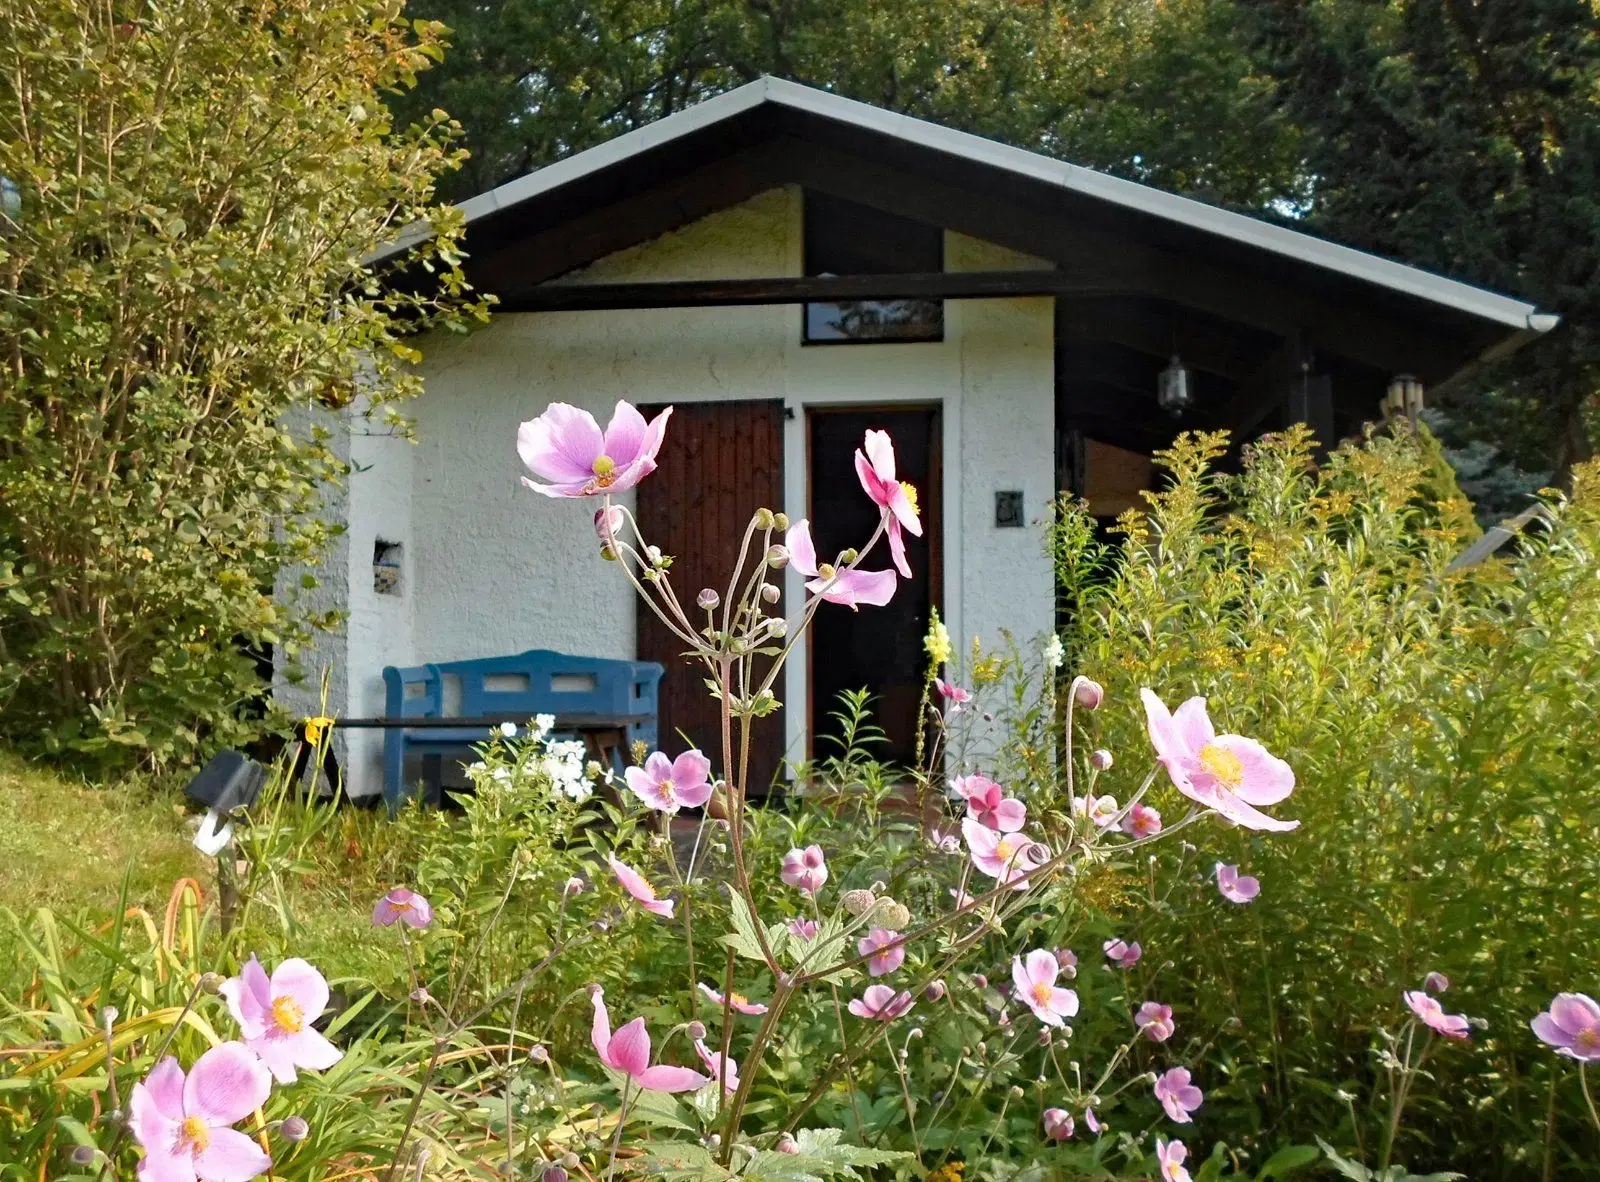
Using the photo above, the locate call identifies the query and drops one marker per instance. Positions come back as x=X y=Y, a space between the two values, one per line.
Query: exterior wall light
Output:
x=1173 y=391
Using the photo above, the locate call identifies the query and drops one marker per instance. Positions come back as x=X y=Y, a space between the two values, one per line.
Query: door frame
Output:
x=939 y=575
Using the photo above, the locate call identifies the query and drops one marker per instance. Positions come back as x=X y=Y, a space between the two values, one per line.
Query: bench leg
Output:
x=394 y=768
x=433 y=778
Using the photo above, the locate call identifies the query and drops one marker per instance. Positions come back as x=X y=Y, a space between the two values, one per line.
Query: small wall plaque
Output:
x=1008 y=510
x=386 y=559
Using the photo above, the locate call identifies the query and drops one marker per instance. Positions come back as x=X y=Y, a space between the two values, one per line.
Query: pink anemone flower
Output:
x=734 y=1001
x=275 y=1016
x=1177 y=1095
x=881 y=1003
x=1432 y=1015
x=1169 y=1157
x=566 y=447
x=897 y=498
x=1058 y=1124
x=1091 y=1121
x=643 y=893
x=952 y=693
x=987 y=806
x=1033 y=979
x=805 y=870
x=670 y=784
x=1002 y=856
x=714 y=1061
x=841 y=585
x=1227 y=773
x=803 y=929
x=1123 y=954
x=1142 y=821
x=1572 y=1026
x=402 y=906
x=184 y=1123
x=888 y=955
x=1236 y=887
x=1155 y=1020
x=628 y=1051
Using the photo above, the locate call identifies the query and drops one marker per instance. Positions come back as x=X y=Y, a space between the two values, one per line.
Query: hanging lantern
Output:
x=1404 y=397
x=1173 y=392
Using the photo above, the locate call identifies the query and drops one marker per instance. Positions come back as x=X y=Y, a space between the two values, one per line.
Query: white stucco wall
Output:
x=491 y=567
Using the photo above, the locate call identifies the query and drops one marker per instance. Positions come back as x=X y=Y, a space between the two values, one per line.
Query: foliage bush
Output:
x=200 y=187
x=1442 y=726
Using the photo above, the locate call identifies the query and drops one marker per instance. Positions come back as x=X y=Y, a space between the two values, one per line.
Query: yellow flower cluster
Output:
x=937 y=641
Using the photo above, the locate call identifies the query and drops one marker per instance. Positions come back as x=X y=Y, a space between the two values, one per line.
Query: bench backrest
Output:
x=539 y=681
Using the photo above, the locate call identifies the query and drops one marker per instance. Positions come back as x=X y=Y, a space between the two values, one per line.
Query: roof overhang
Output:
x=1096 y=227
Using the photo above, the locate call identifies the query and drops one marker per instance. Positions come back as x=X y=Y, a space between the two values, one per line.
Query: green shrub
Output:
x=1442 y=724
x=200 y=184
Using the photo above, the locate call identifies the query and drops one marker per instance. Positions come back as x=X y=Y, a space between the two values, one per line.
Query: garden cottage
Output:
x=788 y=269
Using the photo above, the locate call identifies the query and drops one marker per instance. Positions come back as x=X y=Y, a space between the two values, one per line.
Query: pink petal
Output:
x=574 y=489
x=1064 y=1001
x=1041 y=967
x=1010 y=815
x=1575 y=1012
x=278 y=1057
x=802 y=553
x=880 y=450
x=634 y=883
x=662 y=907
x=561 y=445
x=311 y=1050
x=904 y=514
x=600 y=1029
x=853 y=587
x=1193 y=725
x=625 y=435
x=226 y=1084
x=897 y=548
x=690 y=769
x=1020 y=981
x=1266 y=779
x=1241 y=813
x=155 y=1108
x=1544 y=1026
x=163 y=1165
x=249 y=998
x=663 y=1078
x=231 y=1157
x=630 y=1048
x=302 y=984
x=647 y=788
x=1158 y=722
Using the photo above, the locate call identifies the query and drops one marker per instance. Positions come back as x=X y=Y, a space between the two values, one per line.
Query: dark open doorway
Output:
x=877 y=648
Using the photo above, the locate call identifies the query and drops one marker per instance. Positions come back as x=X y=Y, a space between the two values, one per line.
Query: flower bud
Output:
x=935 y=991
x=826 y=571
x=1436 y=982
x=653 y=555
x=421 y=996
x=608 y=522
x=979 y=980
x=540 y=1053
x=765 y=519
x=574 y=886
x=777 y=557
x=1088 y=693
x=697 y=1029
x=894 y=915
x=211 y=983
x=780 y=521
x=554 y=1174
x=708 y=598
x=846 y=557
x=294 y=1129
x=1044 y=1036
x=770 y=593
x=777 y=629
x=858 y=902
x=608 y=553
x=570 y=1160
x=109 y=1016
x=787 y=1143
x=82 y=1155
x=1016 y=1092
x=1100 y=760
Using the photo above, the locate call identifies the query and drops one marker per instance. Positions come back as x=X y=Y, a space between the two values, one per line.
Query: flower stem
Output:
x=1583 y=1081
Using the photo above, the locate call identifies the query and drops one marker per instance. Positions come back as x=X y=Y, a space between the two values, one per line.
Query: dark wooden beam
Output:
x=819 y=289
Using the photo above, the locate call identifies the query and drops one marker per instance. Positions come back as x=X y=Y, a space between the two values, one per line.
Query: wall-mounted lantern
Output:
x=1173 y=389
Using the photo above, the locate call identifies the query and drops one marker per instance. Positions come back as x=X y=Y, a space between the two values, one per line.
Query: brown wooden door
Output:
x=720 y=462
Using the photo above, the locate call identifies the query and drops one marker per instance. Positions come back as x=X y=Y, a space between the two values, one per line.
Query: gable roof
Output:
x=1141 y=201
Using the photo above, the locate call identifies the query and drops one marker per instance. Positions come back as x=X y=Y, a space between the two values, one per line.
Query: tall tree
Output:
x=1464 y=136
x=1156 y=89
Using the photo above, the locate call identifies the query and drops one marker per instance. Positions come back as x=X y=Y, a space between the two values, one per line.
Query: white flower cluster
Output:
x=1055 y=653
x=563 y=761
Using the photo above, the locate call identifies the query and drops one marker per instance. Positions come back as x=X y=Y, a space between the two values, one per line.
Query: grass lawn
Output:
x=68 y=846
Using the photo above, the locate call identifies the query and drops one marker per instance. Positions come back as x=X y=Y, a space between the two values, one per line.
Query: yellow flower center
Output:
x=195 y=1136
x=1588 y=1038
x=737 y=999
x=911 y=494
x=288 y=1015
x=1042 y=993
x=1224 y=766
x=1006 y=848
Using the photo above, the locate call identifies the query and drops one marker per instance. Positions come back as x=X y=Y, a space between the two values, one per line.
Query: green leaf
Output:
x=1290 y=1157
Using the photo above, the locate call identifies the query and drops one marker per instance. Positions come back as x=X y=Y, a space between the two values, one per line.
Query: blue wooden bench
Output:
x=609 y=703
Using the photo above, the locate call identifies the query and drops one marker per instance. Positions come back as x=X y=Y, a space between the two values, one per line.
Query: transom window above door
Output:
x=843 y=238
